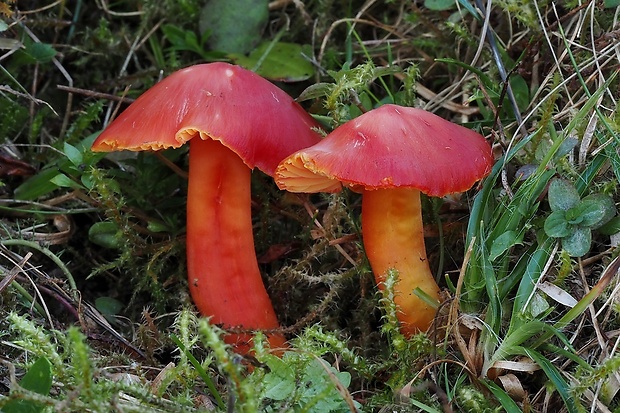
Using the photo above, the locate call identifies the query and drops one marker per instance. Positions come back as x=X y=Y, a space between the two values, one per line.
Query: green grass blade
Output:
x=504 y=399
x=527 y=286
x=583 y=304
x=569 y=354
x=482 y=212
x=555 y=376
x=201 y=371
x=424 y=407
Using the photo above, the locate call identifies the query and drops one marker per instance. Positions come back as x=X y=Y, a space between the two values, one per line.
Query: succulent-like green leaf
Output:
x=562 y=195
x=577 y=244
x=605 y=207
x=104 y=234
x=556 y=225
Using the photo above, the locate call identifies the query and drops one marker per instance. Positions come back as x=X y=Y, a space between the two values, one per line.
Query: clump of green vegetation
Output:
x=95 y=313
x=573 y=219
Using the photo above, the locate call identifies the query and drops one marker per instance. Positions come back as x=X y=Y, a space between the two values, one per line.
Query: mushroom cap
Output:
x=389 y=147
x=220 y=101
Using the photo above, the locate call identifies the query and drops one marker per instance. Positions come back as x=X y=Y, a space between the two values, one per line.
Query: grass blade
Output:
x=554 y=375
x=201 y=371
x=505 y=400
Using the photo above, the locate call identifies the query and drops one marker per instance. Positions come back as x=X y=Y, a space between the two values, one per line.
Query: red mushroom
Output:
x=391 y=154
x=239 y=121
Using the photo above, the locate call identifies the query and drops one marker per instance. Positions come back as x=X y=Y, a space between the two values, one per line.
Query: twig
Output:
x=318 y=224
x=104 y=6
x=500 y=67
x=17 y=268
x=454 y=308
x=94 y=94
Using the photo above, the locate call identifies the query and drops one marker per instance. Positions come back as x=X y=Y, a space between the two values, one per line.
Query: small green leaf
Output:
x=63 y=180
x=38 y=379
x=574 y=216
x=186 y=40
x=73 y=153
x=592 y=212
x=157 y=226
x=87 y=181
x=439 y=5
x=33 y=52
x=317 y=90
x=322 y=395
x=279 y=383
x=577 y=243
x=43 y=52
x=521 y=90
x=562 y=195
x=108 y=306
x=566 y=146
x=235 y=26
x=502 y=243
x=104 y=234
x=280 y=61
x=605 y=210
x=556 y=225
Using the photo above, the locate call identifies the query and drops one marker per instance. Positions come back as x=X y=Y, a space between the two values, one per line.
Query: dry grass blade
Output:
x=42 y=282
x=339 y=386
x=14 y=272
x=454 y=323
x=513 y=386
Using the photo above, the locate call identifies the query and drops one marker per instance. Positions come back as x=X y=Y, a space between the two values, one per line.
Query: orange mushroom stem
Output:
x=390 y=155
x=394 y=240
x=224 y=279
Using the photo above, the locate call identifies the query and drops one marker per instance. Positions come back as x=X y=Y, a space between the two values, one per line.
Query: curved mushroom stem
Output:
x=394 y=239
x=224 y=278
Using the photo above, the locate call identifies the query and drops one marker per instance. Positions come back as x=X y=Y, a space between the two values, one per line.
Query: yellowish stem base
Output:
x=394 y=239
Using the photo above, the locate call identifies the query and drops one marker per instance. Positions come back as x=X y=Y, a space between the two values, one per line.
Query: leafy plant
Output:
x=278 y=61
x=38 y=380
x=572 y=219
x=301 y=382
x=230 y=31
x=349 y=94
x=188 y=41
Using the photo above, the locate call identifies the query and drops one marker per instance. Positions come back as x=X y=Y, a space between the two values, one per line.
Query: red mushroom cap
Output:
x=220 y=101
x=388 y=147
